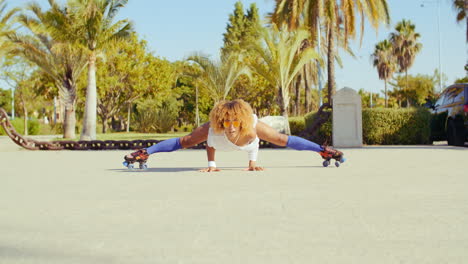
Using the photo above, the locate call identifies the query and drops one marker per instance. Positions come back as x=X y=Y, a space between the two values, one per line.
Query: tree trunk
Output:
x=331 y=63
x=25 y=115
x=407 y=91
x=284 y=107
x=386 y=100
x=105 y=124
x=69 y=122
x=128 y=116
x=89 y=120
x=297 y=110
x=307 y=91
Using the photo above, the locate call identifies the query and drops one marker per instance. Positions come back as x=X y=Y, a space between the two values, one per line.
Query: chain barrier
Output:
x=32 y=144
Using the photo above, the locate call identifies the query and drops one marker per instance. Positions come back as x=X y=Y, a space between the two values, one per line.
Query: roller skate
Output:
x=140 y=156
x=329 y=153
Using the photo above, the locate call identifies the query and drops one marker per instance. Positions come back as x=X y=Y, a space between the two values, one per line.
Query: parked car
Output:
x=450 y=115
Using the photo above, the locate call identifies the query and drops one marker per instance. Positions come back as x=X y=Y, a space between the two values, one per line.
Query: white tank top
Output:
x=222 y=143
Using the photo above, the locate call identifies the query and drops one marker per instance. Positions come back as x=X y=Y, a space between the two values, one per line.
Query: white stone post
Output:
x=347 y=119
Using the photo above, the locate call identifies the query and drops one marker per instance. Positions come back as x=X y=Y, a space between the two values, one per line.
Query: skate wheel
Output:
x=337 y=163
x=143 y=166
x=326 y=163
x=130 y=166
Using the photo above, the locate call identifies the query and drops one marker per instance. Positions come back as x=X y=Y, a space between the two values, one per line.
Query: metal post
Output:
x=440 y=46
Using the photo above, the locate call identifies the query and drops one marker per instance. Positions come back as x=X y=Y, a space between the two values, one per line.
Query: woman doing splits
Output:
x=233 y=126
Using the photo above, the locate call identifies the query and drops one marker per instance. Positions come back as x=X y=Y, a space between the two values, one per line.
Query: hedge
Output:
x=384 y=126
x=18 y=124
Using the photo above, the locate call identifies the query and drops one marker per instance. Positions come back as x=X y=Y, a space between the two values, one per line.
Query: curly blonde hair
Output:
x=230 y=110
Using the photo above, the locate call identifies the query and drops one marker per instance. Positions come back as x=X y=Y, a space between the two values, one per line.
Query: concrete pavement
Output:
x=394 y=204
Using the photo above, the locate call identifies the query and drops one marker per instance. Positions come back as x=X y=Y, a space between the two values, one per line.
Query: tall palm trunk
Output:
x=89 y=121
x=129 y=109
x=331 y=63
x=307 y=91
x=284 y=108
x=407 y=91
x=70 y=121
x=297 y=109
x=386 y=100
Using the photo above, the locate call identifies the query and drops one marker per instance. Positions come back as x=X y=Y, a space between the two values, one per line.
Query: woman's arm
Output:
x=269 y=134
x=210 y=152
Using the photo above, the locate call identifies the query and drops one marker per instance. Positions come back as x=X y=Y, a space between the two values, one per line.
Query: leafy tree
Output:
x=338 y=18
x=197 y=102
x=5 y=25
x=440 y=79
x=128 y=72
x=258 y=93
x=461 y=7
x=95 y=30
x=62 y=61
x=279 y=61
x=155 y=114
x=241 y=29
x=412 y=89
x=405 y=45
x=385 y=62
x=462 y=80
x=5 y=100
x=376 y=100
x=218 y=76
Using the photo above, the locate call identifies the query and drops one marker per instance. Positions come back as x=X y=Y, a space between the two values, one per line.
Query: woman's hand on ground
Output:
x=210 y=169
x=254 y=169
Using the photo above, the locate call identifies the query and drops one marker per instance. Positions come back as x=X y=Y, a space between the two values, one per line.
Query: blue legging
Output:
x=298 y=143
x=169 y=145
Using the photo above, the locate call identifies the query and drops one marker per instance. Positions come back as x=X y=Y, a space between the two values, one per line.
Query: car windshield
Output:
x=451 y=94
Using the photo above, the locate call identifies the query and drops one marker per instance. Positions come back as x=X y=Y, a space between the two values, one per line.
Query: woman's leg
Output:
x=267 y=133
x=197 y=136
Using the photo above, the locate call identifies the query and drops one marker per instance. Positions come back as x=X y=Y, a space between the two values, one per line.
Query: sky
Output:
x=175 y=29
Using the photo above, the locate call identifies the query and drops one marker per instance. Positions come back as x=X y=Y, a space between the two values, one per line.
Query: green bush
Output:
x=396 y=126
x=155 y=116
x=384 y=126
x=296 y=124
x=18 y=124
x=185 y=128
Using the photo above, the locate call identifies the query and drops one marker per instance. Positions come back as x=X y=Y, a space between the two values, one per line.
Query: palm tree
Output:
x=385 y=62
x=62 y=61
x=338 y=17
x=219 y=76
x=405 y=46
x=5 y=25
x=461 y=7
x=279 y=61
x=95 y=32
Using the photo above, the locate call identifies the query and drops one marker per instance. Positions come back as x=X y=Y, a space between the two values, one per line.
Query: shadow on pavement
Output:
x=22 y=253
x=181 y=169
